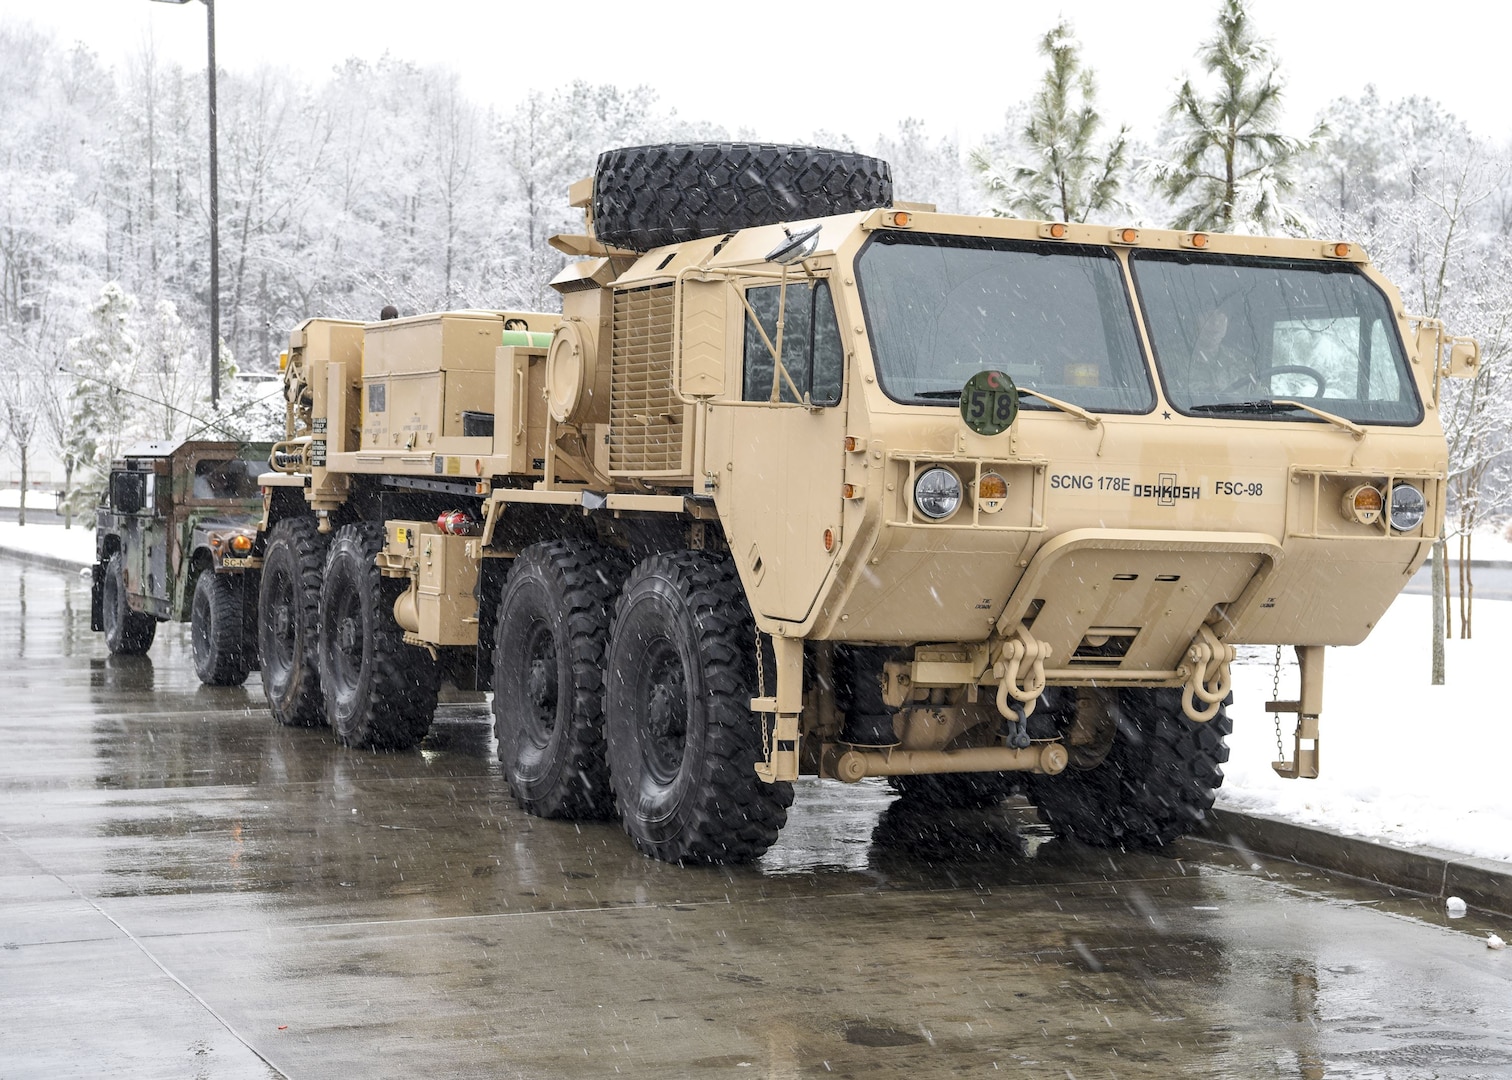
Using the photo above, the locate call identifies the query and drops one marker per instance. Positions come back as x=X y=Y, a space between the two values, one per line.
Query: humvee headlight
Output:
x=992 y=493
x=1364 y=504
x=937 y=493
x=1407 y=507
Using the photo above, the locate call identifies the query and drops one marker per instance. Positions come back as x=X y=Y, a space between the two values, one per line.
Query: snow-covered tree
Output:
x=1064 y=174
x=105 y=413
x=928 y=170
x=1228 y=166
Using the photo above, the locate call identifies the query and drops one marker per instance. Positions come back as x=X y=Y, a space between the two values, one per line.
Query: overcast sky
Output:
x=784 y=70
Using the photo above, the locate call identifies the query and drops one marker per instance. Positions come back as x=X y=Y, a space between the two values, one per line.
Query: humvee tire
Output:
x=287 y=622
x=1157 y=781
x=127 y=632
x=216 y=631
x=682 y=740
x=379 y=692
x=648 y=196
x=548 y=678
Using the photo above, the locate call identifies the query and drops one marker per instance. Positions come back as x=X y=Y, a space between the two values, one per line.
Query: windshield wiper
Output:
x=1064 y=406
x=1055 y=403
x=1262 y=406
x=1279 y=405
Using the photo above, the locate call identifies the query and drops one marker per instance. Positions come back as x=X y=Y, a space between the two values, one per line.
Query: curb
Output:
x=34 y=558
x=1482 y=883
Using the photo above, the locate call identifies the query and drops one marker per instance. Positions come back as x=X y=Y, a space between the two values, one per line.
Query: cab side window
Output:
x=812 y=353
x=128 y=492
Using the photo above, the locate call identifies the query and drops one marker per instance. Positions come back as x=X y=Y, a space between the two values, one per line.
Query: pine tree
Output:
x=1067 y=177
x=1229 y=164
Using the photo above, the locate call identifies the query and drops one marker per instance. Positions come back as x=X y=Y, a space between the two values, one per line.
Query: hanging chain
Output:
x=766 y=735
x=1276 y=696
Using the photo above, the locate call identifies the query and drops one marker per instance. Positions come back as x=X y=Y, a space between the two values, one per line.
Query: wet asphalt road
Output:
x=187 y=890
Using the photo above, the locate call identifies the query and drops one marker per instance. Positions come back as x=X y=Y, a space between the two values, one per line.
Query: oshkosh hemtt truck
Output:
x=803 y=482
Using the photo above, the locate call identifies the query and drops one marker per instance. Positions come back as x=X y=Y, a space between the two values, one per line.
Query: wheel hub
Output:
x=347 y=635
x=539 y=685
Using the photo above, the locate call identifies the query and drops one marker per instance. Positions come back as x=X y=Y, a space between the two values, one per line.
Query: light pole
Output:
x=214 y=210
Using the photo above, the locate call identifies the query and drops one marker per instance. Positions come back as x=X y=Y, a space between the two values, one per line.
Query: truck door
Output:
x=786 y=448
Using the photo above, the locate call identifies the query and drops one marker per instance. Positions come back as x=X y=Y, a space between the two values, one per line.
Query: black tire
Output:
x=955 y=791
x=288 y=607
x=647 y=196
x=127 y=632
x=1155 y=785
x=216 y=631
x=548 y=678
x=682 y=740
x=379 y=692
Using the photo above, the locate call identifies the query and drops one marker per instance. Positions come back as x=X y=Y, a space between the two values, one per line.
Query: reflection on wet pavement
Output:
x=187 y=888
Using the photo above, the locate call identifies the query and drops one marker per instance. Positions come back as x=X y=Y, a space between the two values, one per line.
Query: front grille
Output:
x=645 y=418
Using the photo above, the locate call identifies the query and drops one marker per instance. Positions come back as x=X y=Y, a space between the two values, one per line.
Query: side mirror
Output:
x=127 y=492
x=1463 y=361
x=797 y=246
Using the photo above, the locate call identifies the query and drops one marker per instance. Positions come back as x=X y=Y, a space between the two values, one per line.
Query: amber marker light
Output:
x=852 y=444
x=1338 y=251
x=902 y=219
x=241 y=543
x=847 y=491
x=992 y=492
x=1126 y=236
x=829 y=539
x=1054 y=230
x=1198 y=240
x=1364 y=504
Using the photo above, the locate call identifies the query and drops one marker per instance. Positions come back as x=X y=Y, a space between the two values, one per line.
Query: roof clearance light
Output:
x=1058 y=230
x=1407 y=507
x=1338 y=251
x=1199 y=239
x=902 y=219
x=1126 y=236
x=1364 y=504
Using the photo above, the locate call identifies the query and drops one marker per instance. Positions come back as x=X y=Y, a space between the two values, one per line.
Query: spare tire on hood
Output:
x=648 y=196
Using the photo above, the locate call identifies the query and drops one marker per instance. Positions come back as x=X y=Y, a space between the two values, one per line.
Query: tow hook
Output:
x=1021 y=652
x=1210 y=677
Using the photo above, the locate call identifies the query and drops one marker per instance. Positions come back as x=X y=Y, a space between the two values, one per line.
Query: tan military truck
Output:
x=804 y=482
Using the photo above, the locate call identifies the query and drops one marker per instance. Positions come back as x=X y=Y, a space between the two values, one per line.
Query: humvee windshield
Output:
x=1236 y=337
x=222 y=478
x=1056 y=317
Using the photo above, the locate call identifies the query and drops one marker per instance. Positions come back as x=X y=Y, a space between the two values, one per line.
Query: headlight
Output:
x=1407 y=507
x=937 y=493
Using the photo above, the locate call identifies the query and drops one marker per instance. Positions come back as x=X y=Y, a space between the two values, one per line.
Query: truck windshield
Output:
x=1239 y=337
x=225 y=479
x=1056 y=317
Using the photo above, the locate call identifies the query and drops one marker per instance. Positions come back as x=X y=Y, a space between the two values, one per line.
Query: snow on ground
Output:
x=44 y=535
x=1403 y=761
